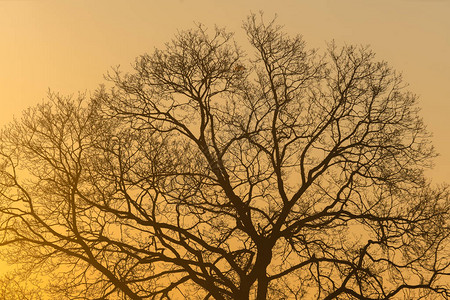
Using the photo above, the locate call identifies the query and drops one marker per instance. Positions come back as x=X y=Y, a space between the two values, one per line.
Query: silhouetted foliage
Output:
x=209 y=174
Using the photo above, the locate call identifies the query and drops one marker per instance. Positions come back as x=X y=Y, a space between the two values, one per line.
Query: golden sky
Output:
x=67 y=45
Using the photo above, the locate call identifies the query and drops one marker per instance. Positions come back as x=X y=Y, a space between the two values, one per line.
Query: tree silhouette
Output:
x=12 y=287
x=209 y=174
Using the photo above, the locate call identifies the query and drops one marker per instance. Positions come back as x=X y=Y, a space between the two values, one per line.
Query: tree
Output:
x=13 y=288
x=204 y=174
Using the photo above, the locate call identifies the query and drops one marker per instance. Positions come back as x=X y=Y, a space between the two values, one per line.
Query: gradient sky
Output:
x=67 y=45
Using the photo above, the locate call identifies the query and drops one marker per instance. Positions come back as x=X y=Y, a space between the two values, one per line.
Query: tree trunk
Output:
x=263 y=284
x=263 y=260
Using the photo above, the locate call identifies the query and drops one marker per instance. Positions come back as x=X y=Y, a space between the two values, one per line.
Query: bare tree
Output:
x=14 y=287
x=207 y=174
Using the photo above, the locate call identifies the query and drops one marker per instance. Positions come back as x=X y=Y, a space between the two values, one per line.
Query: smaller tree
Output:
x=15 y=287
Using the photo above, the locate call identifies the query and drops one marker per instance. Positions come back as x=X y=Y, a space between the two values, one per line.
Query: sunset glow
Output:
x=68 y=47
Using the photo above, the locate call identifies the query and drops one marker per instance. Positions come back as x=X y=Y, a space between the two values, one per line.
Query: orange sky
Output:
x=67 y=45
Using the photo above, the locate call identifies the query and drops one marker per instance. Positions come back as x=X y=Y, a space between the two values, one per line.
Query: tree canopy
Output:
x=210 y=172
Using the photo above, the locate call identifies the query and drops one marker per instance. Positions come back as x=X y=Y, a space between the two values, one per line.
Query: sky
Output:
x=68 y=45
